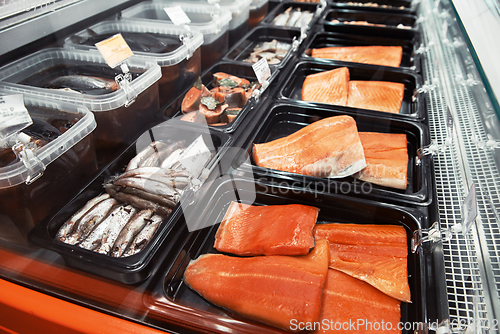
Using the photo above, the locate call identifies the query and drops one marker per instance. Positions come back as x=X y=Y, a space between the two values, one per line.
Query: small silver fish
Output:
x=90 y=220
x=153 y=159
x=137 y=201
x=296 y=14
x=67 y=228
x=172 y=159
x=94 y=239
x=144 y=236
x=150 y=186
x=114 y=228
x=129 y=231
x=141 y=156
x=281 y=19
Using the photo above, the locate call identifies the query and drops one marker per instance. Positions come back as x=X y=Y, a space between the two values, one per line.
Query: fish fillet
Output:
x=376 y=55
x=359 y=305
x=386 y=157
x=267 y=230
x=376 y=95
x=327 y=148
x=327 y=87
x=375 y=254
x=270 y=289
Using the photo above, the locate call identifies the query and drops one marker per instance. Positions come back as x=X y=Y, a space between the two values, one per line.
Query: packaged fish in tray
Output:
x=374 y=90
x=258 y=11
x=178 y=297
x=275 y=44
x=226 y=93
x=382 y=51
x=84 y=78
x=210 y=21
x=175 y=49
x=292 y=15
x=370 y=23
x=402 y=178
x=44 y=164
x=389 y=6
x=127 y=215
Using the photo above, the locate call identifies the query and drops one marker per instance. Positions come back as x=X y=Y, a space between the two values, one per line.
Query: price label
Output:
x=262 y=70
x=13 y=115
x=469 y=209
x=177 y=15
x=114 y=50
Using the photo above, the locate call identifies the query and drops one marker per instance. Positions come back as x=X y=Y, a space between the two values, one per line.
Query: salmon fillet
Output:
x=386 y=157
x=376 y=95
x=375 y=254
x=270 y=289
x=327 y=87
x=327 y=148
x=351 y=301
x=376 y=55
x=267 y=230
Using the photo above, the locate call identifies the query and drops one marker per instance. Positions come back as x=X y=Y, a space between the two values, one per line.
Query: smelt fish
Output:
x=142 y=155
x=94 y=239
x=90 y=220
x=150 y=186
x=153 y=159
x=172 y=159
x=165 y=201
x=143 y=172
x=138 y=202
x=111 y=233
x=129 y=232
x=68 y=227
x=144 y=236
x=282 y=19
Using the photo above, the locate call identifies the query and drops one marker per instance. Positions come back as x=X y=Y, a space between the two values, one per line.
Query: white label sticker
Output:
x=13 y=115
x=469 y=209
x=114 y=50
x=195 y=157
x=262 y=70
x=177 y=15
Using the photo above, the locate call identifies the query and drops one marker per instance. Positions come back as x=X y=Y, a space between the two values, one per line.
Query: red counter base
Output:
x=24 y=310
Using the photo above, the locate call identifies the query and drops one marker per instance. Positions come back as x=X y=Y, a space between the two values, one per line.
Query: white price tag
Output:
x=469 y=209
x=262 y=70
x=13 y=115
x=177 y=15
x=195 y=157
x=114 y=50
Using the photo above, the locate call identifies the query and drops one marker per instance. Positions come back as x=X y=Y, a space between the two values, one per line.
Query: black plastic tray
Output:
x=234 y=68
x=389 y=19
x=172 y=298
x=284 y=119
x=258 y=35
x=412 y=107
x=410 y=61
x=398 y=6
x=138 y=267
x=312 y=7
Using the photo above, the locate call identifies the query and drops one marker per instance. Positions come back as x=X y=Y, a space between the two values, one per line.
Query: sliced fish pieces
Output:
x=270 y=289
x=267 y=230
x=144 y=236
x=376 y=95
x=386 y=157
x=330 y=87
x=129 y=231
x=377 y=256
x=349 y=300
x=376 y=55
x=326 y=148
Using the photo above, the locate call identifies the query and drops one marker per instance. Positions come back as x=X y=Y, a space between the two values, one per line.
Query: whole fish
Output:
x=90 y=220
x=143 y=238
x=294 y=17
x=172 y=159
x=113 y=230
x=142 y=155
x=171 y=148
x=129 y=231
x=84 y=84
x=138 y=202
x=304 y=19
x=68 y=227
x=153 y=159
x=94 y=239
x=150 y=186
x=168 y=202
x=282 y=19
x=140 y=172
x=167 y=176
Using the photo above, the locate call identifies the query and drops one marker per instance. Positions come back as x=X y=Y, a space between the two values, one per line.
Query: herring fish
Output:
x=113 y=229
x=129 y=231
x=144 y=236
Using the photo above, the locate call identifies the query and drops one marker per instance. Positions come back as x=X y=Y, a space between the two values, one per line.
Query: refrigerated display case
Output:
x=450 y=116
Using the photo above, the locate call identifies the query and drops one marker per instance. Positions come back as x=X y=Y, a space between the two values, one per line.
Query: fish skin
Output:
x=138 y=202
x=94 y=239
x=294 y=17
x=68 y=227
x=282 y=19
x=178 y=179
x=172 y=159
x=144 y=236
x=147 y=196
x=153 y=159
x=141 y=156
x=150 y=186
x=83 y=83
x=326 y=148
x=90 y=220
x=114 y=228
x=269 y=289
x=129 y=231
x=171 y=148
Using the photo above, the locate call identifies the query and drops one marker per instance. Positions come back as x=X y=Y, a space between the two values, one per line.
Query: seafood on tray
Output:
x=293 y=17
x=372 y=4
x=366 y=23
x=335 y=87
x=267 y=230
x=123 y=220
x=375 y=55
x=220 y=105
x=274 y=52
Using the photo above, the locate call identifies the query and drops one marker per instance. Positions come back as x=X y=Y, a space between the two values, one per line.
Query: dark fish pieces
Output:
x=84 y=84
